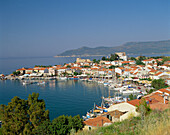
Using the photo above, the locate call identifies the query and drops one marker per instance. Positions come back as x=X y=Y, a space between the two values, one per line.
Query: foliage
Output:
x=86 y=66
x=133 y=58
x=158 y=84
x=61 y=125
x=96 y=61
x=155 y=123
x=103 y=58
x=23 y=116
x=142 y=58
x=30 y=117
x=16 y=72
x=148 y=79
x=68 y=66
x=143 y=108
x=112 y=67
x=159 y=63
x=131 y=96
x=166 y=59
x=114 y=57
x=139 y=62
x=151 y=90
x=76 y=73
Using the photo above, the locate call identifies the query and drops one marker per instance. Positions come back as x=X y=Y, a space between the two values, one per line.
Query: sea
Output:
x=62 y=97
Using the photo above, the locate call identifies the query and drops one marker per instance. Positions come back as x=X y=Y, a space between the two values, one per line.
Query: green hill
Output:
x=152 y=47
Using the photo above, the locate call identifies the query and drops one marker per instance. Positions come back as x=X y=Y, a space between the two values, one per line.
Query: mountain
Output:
x=151 y=47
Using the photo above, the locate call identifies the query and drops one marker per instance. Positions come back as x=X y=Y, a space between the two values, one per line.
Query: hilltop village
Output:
x=149 y=78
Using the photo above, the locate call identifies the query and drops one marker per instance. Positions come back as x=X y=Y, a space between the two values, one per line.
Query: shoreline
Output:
x=159 y=54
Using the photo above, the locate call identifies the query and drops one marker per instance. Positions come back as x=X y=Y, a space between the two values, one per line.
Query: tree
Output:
x=68 y=66
x=133 y=58
x=139 y=62
x=103 y=58
x=114 y=57
x=23 y=116
x=132 y=97
x=94 y=61
x=143 y=108
x=142 y=58
x=45 y=128
x=158 y=84
x=63 y=125
x=112 y=67
x=16 y=72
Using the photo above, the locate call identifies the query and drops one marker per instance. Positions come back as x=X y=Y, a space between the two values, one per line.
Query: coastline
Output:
x=130 y=54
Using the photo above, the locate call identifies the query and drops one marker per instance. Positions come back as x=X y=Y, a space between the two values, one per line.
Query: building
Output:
x=99 y=121
x=122 y=55
x=79 y=60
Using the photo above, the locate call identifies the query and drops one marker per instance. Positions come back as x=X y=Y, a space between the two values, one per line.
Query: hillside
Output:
x=156 y=123
x=152 y=47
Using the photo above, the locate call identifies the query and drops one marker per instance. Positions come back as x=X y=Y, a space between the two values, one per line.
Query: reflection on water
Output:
x=52 y=84
x=61 y=97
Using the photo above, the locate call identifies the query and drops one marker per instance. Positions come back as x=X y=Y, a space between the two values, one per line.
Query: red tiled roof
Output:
x=98 y=121
x=158 y=73
x=164 y=90
x=159 y=106
x=134 y=102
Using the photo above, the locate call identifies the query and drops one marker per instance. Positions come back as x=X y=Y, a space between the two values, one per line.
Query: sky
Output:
x=40 y=28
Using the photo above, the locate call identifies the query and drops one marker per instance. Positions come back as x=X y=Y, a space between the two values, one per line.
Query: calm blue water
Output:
x=61 y=97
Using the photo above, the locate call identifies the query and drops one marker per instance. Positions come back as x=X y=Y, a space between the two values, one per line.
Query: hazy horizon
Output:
x=30 y=28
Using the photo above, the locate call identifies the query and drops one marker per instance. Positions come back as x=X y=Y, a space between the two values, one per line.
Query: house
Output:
x=128 y=62
x=165 y=67
x=118 y=70
x=156 y=76
x=22 y=70
x=129 y=107
x=79 y=60
x=159 y=100
x=93 y=123
x=149 y=61
x=52 y=71
x=122 y=55
x=29 y=70
x=114 y=116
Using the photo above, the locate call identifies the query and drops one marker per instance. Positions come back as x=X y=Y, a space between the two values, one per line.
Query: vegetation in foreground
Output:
x=155 y=123
x=29 y=117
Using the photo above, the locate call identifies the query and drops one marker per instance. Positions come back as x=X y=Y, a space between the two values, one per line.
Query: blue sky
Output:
x=33 y=28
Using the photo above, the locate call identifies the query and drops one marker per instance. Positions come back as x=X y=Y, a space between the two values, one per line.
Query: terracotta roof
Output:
x=115 y=113
x=98 y=121
x=158 y=73
x=134 y=102
x=164 y=90
x=159 y=106
x=29 y=69
x=21 y=69
x=155 y=98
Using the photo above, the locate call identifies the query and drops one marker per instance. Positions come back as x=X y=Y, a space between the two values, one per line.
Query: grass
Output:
x=156 y=123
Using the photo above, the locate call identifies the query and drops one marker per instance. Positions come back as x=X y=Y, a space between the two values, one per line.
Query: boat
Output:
x=26 y=82
x=63 y=78
x=130 y=91
x=40 y=83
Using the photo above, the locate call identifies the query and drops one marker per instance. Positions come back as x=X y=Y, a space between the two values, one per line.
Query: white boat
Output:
x=130 y=91
x=63 y=78
x=26 y=82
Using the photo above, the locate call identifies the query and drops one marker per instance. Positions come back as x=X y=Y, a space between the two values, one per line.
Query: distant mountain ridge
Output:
x=150 y=47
